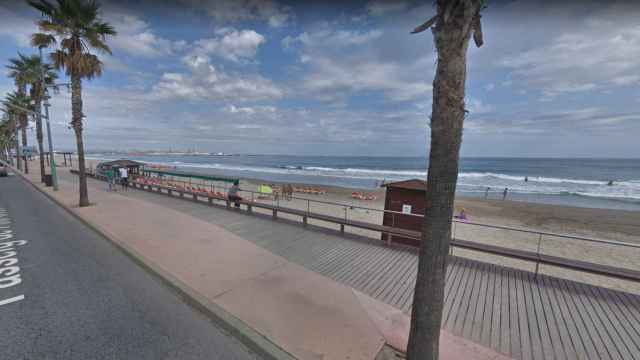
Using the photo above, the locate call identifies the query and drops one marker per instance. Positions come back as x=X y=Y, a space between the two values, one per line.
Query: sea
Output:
x=575 y=182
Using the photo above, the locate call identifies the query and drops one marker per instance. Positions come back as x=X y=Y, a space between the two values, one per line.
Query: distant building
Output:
x=405 y=198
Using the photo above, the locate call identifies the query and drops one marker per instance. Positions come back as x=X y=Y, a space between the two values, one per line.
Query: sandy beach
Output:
x=617 y=225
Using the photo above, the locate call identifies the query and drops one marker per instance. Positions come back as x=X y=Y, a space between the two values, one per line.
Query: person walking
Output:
x=109 y=175
x=504 y=193
x=486 y=193
x=124 y=178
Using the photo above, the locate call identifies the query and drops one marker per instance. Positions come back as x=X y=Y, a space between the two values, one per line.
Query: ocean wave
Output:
x=476 y=182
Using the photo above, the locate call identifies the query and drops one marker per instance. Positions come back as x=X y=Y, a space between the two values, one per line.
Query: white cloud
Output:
x=383 y=7
x=598 y=51
x=136 y=37
x=234 y=45
x=17 y=26
x=476 y=106
x=205 y=82
x=229 y=11
x=343 y=62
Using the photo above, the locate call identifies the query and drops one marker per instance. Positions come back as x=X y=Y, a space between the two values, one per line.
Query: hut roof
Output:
x=121 y=163
x=413 y=184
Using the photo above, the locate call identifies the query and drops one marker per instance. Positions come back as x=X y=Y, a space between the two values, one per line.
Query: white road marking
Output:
x=11 y=300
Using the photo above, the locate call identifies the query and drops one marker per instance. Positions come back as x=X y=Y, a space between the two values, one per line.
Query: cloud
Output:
x=597 y=51
x=136 y=37
x=342 y=62
x=231 y=11
x=251 y=110
x=206 y=82
x=234 y=45
x=16 y=25
x=384 y=7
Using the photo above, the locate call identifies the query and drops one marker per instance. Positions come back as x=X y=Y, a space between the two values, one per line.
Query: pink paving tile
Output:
x=307 y=314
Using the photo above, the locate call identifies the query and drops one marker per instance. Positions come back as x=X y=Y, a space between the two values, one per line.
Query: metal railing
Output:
x=538 y=243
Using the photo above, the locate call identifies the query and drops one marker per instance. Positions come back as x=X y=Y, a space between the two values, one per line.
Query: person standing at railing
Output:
x=232 y=194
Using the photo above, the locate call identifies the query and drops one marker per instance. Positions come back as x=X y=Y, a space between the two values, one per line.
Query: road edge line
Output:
x=235 y=327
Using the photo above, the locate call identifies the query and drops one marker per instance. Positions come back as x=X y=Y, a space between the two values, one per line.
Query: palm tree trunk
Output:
x=452 y=39
x=39 y=138
x=24 y=141
x=76 y=123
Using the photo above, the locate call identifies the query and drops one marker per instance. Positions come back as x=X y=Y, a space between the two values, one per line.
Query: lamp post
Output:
x=18 y=162
x=45 y=102
x=54 y=173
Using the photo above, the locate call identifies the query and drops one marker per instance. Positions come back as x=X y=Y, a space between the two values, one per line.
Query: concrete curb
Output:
x=255 y=341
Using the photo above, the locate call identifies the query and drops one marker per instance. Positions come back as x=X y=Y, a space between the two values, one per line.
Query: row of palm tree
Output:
x=72 y=29
x=32 y=72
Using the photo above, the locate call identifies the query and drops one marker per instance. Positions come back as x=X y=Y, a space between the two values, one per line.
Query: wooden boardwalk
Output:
x=506 y=309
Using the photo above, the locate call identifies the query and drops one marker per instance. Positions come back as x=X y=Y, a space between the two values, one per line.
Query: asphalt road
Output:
x=83 y=298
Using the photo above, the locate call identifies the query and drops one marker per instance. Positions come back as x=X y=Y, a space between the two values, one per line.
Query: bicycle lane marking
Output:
x=9 y=271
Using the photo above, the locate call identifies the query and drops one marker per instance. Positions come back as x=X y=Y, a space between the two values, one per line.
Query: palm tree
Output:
x=18 y=70
x=14 y=102
x=7 y=137
x=453 y=25
x=75 y=26
x=34 y=70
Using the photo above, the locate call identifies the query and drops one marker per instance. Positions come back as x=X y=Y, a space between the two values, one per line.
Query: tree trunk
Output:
x=76 y=123
x=39 y=137
x=24 y=123
x=17 y=143
x=451 y=39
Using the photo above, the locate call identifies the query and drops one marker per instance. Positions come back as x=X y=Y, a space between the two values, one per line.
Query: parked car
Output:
x=3 y=170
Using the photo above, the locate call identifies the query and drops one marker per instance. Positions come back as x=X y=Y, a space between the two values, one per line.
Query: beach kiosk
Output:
x=405 y=198
x=133 y=167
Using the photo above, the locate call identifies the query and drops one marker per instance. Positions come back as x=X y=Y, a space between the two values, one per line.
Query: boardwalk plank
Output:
x=551 y=339
x=457 y=305
x=487 y=319
x=475 y=328
x=467 y=307
x=473 y=320
x=524 y=328
x=575 y=320
x=456 y=296
x=614 y=325
x=514 y=319
x=534 y=320
x=606 y=349
x=505 y=324
x=625 y=318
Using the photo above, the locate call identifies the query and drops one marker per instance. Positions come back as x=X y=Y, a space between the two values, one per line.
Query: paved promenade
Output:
x=499 y=307
x=308 y=315
x=69 y=299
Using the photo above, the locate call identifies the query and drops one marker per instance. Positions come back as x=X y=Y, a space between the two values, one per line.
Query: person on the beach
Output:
x=526 y=178
x=124 y=178
x=504 y=193
x=233 y=193
x=109 y=175
x=289 y=191
x=486 y=193
x=462 y=215
x=610 y=183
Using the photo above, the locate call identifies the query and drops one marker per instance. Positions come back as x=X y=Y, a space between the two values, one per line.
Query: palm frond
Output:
x=42 y=40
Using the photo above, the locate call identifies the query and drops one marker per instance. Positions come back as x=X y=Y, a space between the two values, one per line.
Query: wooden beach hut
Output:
x=133 y=167
x=405 y=199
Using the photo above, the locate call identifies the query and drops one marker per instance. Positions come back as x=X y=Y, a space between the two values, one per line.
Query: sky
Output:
x=553 y=79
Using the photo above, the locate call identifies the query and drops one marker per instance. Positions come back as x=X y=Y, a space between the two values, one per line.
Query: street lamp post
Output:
x=45 y=95
x=54 y=173
x=18 y=162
